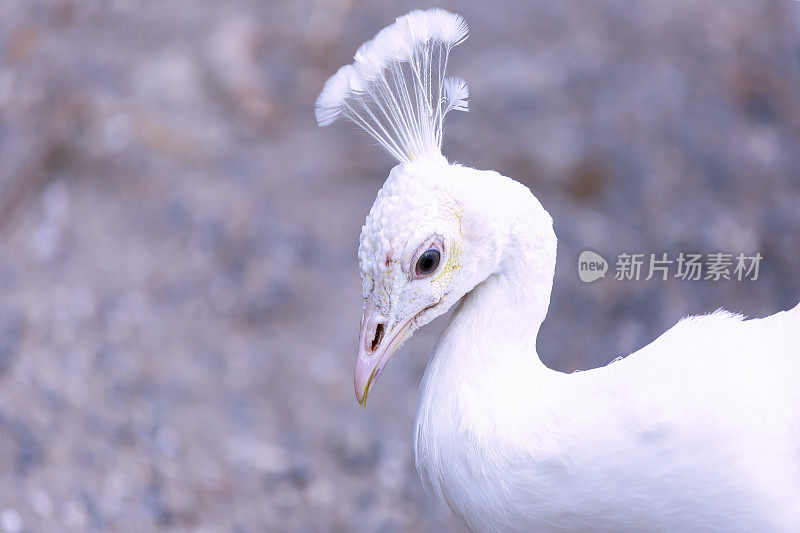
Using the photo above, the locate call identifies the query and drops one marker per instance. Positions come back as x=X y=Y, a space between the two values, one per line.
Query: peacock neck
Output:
x=485 y=376
x=501 y=316
x=492 y=333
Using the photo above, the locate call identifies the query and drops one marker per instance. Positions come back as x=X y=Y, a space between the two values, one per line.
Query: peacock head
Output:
x=422 y=248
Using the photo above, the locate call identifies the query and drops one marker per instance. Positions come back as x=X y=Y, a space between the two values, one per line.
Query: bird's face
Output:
x=418 y=256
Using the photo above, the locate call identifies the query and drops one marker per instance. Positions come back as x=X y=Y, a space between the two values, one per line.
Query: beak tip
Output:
x=362 y=387
x=362 y=400
x=361 y=395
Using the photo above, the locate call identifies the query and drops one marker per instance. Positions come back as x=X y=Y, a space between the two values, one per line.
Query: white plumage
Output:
x=698 y=431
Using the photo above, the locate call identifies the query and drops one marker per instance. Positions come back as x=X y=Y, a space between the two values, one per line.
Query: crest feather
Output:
x=396 y=89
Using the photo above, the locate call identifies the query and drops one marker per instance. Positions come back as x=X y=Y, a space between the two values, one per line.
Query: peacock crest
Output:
x=397 y=89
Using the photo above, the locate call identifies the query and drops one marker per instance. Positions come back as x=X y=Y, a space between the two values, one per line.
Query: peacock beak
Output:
x=376 y=344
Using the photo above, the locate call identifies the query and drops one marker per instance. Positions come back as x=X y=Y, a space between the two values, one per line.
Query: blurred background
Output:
x=179 y=293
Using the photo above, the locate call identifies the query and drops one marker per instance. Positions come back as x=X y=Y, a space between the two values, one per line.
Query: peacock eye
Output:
x=428 y=261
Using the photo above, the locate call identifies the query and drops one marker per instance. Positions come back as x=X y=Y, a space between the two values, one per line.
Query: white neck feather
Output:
x=486 y=357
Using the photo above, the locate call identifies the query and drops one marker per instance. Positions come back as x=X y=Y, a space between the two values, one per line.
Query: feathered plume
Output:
x=396 y=89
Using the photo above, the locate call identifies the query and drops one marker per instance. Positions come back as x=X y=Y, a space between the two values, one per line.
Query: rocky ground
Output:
x=179 y=296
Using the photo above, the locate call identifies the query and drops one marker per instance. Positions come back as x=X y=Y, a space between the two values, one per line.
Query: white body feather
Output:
x=698 y=431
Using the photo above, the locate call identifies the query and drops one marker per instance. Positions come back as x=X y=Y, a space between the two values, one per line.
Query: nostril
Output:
x=378 y=337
